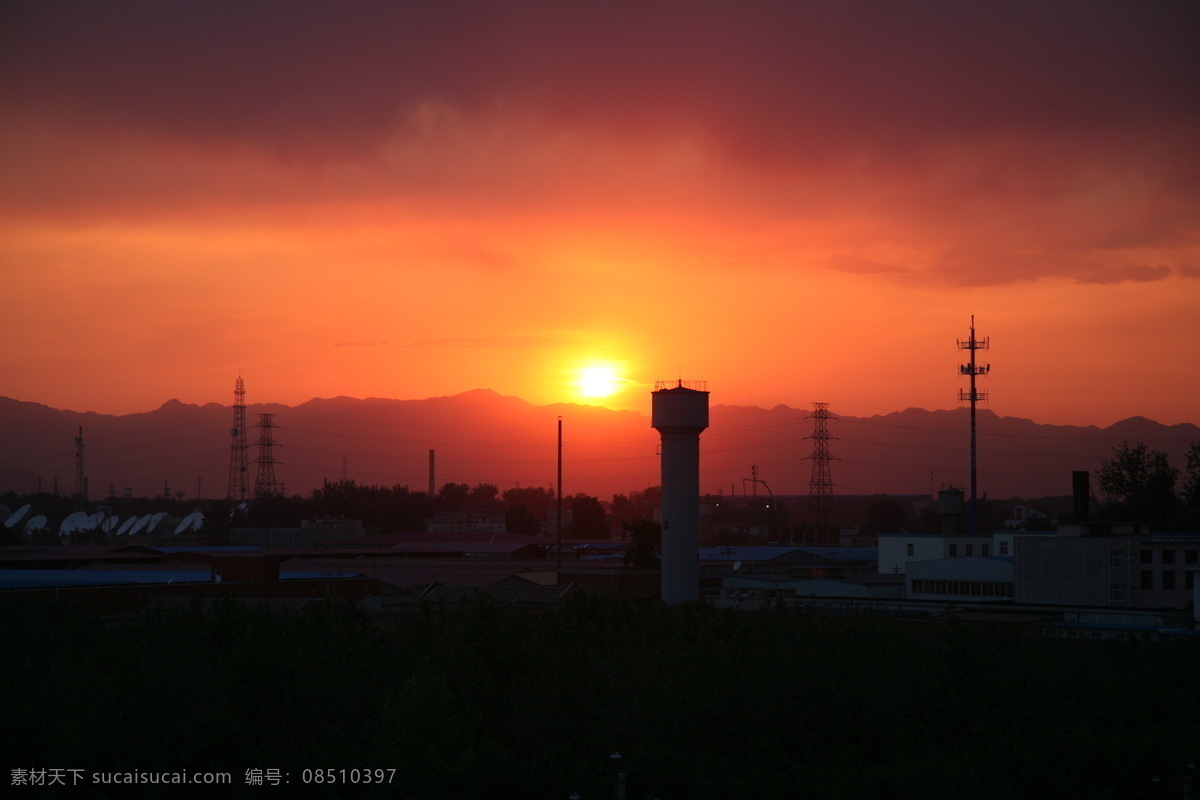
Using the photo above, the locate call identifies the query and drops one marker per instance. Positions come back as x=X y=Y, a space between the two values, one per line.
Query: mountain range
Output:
x=482 y=437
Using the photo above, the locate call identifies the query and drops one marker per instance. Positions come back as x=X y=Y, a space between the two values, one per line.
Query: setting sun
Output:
x=598 y=382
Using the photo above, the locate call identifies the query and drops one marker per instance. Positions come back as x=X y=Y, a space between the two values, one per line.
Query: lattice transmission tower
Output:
x=239 y=478
x=820 y=486
x=973 y=370
x=265 y=484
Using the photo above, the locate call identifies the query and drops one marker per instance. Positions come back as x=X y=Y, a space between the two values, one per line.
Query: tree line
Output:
x=1141 y=485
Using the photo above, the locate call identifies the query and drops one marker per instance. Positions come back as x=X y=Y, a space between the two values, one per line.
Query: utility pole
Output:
x=558 y=516
x=80 y=479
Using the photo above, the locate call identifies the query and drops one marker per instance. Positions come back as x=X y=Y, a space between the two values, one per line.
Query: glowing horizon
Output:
x=708 y=189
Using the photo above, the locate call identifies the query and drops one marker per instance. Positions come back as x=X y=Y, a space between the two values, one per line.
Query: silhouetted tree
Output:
x=989 y=518
x=1187 y=518
x=647 y=501
x=453 y=497
x=520 y=520
x=623 y=510
x=1139 y=484
x=484 y=495
x=645 y=539
x=1191 y=480
x=886 y=515
x=278 y=511
x=377 y=506
x=587 y=518
x=525 y=509
x=535 y=498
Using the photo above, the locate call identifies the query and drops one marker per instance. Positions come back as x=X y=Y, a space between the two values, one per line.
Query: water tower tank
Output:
x=679 y=414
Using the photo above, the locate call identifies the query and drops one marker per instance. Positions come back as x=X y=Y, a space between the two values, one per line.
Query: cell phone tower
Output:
x=820 y=486
x=238 y=477
x=265 y=484
x=973 y=396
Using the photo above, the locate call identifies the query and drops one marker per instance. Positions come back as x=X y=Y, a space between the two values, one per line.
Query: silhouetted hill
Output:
x=481 y=436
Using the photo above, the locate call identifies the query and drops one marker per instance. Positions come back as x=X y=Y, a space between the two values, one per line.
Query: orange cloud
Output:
x=795 y=201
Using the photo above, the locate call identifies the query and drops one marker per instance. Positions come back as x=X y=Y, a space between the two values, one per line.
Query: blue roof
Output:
x=49 y=578
x=844 y=553
x=743 y=553
x=312 y=576
x=35 y=578
x=751 y=553
x=225 y=548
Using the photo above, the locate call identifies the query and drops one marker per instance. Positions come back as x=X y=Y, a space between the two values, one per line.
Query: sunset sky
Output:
x=795 y=201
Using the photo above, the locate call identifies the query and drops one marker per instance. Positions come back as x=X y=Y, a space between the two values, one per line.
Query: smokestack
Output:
x=431 y=473
x=1081 y=496
x=679 y=414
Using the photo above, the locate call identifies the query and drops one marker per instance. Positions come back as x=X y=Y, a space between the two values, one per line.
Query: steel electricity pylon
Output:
x=238 y=476
x=266 y=485
x=820 y=486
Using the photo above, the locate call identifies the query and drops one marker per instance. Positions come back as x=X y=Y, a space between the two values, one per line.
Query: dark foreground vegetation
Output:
x=485 y=702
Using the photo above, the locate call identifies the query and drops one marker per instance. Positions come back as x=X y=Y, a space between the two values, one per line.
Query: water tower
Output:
x=680 y=413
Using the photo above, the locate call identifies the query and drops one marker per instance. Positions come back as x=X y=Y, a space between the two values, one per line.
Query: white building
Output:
x=972 y=578
x=898 y=550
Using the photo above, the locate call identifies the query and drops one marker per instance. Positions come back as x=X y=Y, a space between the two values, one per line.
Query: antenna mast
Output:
x=238 y=477
x=80 y=478
x=973 y=396
x=820 y=486
x=266 y=485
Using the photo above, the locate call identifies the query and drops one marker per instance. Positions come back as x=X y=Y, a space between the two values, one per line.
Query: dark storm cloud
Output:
x=773 y=83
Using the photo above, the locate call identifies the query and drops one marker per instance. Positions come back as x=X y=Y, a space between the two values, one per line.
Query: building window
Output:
x=970 y=549
x=1147 y=579
x=1189 y=556
x=953 y=550
x=1004 y=548
x=1147 y=556
x=1116 y=592
x=1168 y=579
x=1168 y=556
x=986 y=550
x=910 y=548
x=1116 y=559
x=1188 y=580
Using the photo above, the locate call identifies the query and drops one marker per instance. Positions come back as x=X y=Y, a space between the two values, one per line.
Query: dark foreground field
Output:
x=486 y=702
